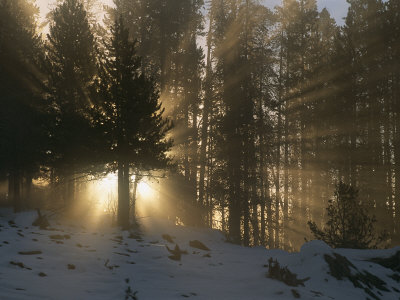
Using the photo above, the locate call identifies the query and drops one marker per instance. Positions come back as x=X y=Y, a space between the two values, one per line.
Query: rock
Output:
x=176 y=252
x=30 y=252
x=110 y=267
x=132 y=251
x=276 y=271
x=199 y=245
x=295 y=293
x=134 y=235
x=41 y=221
x=123 y=254
x=19 y=264
x=168 y=238
x=60 y=237
x=392 y=262
x=176 y=257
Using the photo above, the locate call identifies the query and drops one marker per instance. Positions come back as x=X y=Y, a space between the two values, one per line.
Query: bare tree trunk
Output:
x=15 y=184
x=262 y=213
x=286 y=154
x=255 y=220
x=397 y=149
x=11 y=187
x=123 y=195
x=245 y=202
x=277 y=176
x=270 y=223
x=286 y=175
x=70 y=192
x=28 y=190
x=205 y=116
x=133 y=200
x=234 y=207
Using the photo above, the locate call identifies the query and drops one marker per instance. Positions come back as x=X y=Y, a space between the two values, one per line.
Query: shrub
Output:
x=349 y=225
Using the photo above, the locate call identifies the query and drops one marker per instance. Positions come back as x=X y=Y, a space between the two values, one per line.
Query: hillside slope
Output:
x=73 y=261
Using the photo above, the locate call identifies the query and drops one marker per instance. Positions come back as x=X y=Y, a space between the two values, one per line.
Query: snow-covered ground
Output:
x=74 y=261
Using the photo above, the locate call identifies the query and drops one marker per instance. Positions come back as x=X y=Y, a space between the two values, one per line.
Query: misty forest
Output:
x=151 y=148
x=218 y=114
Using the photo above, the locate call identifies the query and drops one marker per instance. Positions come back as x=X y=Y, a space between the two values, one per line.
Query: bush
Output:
x=348 y=225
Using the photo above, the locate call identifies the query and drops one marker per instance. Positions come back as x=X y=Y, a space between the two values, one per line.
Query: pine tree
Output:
x=133 y=124
x=71 y=69
x=167 y=33
x=348 y=224
x=22 y=136
x=243 y=85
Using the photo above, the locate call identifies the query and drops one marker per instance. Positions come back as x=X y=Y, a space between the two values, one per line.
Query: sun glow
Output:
x=106 y=193
x=46 y=5
x=109 y=182
x=145 y=190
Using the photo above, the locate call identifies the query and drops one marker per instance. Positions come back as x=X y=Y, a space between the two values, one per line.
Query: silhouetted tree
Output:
x=167 y=33
x=134 y=128
x=22 y=112
x=71 y=68
x=349 y=225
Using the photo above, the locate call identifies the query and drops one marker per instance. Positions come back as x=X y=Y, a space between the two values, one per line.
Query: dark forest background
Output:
x=270 y=109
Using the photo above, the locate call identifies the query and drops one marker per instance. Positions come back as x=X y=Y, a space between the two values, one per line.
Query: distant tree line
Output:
x=271 y=109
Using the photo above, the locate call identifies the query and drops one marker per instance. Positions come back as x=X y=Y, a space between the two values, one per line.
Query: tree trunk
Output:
x=204 y=128
x=234 y=208
x=133 y=201
x=15 y=196
x=123 y=195
x=277 y=177
x=28 y=190
x=245 y=204
x=254 y=200
x=11 y=188
x=71 y=190
x=270 y=223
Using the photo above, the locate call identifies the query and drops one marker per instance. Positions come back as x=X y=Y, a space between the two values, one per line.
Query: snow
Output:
x=109 y=262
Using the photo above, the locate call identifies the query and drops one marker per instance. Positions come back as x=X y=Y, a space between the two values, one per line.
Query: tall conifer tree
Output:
x=22 y=137
x=71 y=67
x=134 y=128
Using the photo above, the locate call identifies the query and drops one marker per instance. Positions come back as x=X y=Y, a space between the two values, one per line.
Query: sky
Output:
x=337 y=8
